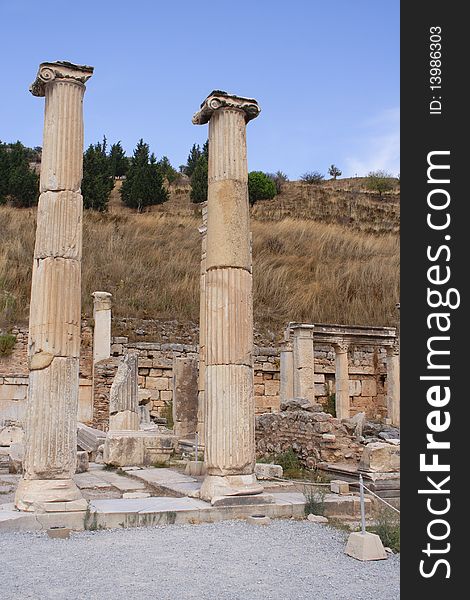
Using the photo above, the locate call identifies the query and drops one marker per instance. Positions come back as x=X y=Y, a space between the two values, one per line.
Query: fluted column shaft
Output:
x=201 y=385
x=393 y=386
x=55 y=311
x=230 y=414
x=341 y=381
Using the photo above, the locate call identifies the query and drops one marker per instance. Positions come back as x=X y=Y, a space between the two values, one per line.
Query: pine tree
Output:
x=18 y=182
x=144 y=182
x=193 y=157
x=166 y=169
x=199 y=181
x=97 y=182
x=118 y=161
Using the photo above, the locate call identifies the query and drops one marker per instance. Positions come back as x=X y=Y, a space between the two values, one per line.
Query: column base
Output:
x=219 y=486
x=49 y=495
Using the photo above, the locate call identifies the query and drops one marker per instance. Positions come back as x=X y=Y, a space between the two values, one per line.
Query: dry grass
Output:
x=303 y=270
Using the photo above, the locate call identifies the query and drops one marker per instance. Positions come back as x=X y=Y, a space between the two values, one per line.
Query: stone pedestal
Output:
x=55 y=318
x=102 y=326
x=393 y=385
x=303 y=361
x=228 y=330
x=342 y=381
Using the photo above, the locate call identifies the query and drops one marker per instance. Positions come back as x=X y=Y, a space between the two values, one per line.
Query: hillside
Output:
x=321 y=253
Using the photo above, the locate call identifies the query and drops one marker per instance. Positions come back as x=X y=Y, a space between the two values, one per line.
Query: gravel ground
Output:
x=287 y=560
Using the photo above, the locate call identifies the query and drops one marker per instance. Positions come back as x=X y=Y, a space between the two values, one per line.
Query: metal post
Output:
x=363 y=511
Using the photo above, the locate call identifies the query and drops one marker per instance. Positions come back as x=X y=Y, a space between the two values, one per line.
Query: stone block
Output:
x=157 y=383
x=137 y=448
x=365 y=546
x=380 y=457
x=166 y=396
x=355 y=387
x=271 y=387
x=339 y=487
x=268 y=471
x=369 y=387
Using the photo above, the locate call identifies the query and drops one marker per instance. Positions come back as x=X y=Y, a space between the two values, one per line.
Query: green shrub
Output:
x=314 y=500
x=260 y=186
x=7 y=343
x=380 y=181
x=312 y=177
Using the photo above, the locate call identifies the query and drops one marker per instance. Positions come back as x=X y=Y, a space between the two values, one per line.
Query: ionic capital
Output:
x=101 y=301
x=218 y=100
x=51 y=71
x=341 y=347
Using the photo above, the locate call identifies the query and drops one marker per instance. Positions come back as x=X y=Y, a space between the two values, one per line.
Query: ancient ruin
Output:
x=229 y=400
x=328 y=394
x=54 y=327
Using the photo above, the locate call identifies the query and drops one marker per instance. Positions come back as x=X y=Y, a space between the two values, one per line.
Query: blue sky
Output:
x=325 y=72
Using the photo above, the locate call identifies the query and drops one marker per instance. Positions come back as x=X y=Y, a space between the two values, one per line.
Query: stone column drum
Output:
x=303 y=361
x=54 y=322
x=102 y=326
x=229 y=400
x=393 y=385
x=341 y=381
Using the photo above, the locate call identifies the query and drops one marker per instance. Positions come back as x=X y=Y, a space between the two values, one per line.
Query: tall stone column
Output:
x=303 y=361
x=201 y=382
x=341 y=380
x=54 y=322
x=229 y=400
x=393 y=385
x=102 y=326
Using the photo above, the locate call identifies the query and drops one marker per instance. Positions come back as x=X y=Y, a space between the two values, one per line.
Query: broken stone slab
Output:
x=136 y=495
x=365 y=546
x=268 y=471
x=380 y=457
x=355 y=424
x=89 y=438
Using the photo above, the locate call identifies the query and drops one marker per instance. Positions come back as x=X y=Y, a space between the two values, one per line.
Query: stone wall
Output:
x=367 y=377
x=314 y=436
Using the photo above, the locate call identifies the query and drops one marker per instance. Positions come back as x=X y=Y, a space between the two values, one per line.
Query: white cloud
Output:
x=378 y=146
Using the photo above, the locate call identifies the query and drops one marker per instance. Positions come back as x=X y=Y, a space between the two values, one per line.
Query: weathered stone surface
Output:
x=365 y=546
x=102 y=325
x=185 y=396
x=317 y=518
x=339 y=487
x=135 y=448
x=268 y=471
x=55 y=315
x=16 y=458
x=82 y=462
x=380 y=457
x=123 y=397
x=11 y=435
